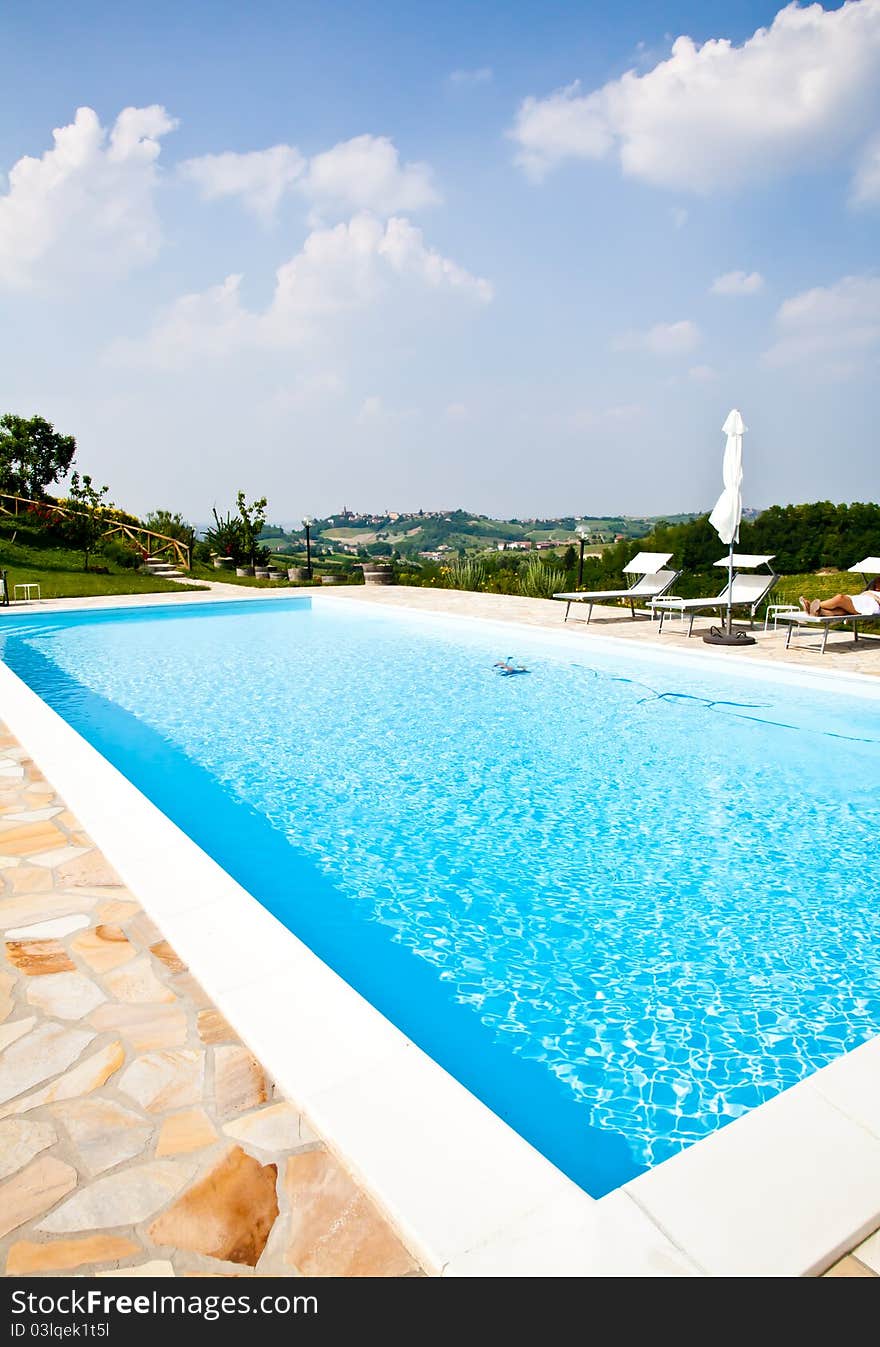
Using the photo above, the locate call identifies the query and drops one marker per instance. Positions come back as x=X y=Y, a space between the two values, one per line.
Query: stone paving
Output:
x=138 y=1135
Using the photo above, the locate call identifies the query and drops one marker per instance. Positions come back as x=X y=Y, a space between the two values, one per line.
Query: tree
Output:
x=171 y=524
x=32 y=454
x=87 y=515
x=253 y=517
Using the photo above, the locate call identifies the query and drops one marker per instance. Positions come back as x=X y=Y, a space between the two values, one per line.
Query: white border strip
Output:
x=782 y=1191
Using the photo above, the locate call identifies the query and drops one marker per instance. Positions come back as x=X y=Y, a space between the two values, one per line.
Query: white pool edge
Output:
x=782 y=1191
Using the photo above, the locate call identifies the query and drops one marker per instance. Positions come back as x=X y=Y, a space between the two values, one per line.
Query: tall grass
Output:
x=466 y=573
x=537 y=581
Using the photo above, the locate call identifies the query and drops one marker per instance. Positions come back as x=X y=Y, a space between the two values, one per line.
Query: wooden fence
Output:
x=147 y=541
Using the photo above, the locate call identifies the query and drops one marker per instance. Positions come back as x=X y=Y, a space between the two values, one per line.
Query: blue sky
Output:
x=521 y=257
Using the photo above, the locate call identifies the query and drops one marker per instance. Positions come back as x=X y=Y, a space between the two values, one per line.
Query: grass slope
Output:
x=58 y=570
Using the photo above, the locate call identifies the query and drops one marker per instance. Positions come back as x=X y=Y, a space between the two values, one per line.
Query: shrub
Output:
x=538 y=581
x=465 y=573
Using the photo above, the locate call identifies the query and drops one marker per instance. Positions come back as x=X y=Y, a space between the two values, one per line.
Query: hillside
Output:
x=454 y=530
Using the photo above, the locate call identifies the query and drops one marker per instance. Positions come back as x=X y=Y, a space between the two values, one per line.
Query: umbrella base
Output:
x=731 y=636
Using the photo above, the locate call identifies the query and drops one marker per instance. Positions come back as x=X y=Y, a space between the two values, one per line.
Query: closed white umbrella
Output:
x=725 y=518
x=727 y=514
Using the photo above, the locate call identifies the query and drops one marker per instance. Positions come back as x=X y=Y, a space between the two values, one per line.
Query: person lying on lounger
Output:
x=866 y=604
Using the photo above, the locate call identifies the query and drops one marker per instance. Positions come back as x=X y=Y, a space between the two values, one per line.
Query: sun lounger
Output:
x=747 y=591
x=650 y=581
x=868 y=569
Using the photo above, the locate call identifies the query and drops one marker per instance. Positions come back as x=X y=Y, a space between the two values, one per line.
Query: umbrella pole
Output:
x=730 y=590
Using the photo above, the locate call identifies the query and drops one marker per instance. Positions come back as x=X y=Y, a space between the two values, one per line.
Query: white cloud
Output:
x=338 y=270
x=828 y=322
x=718 y=115
x=702 y=374
x=457 y=411
x=679 y=216
x=364 y=173
x=86 y=206
x=260 y=177
x=481 y=75
x=866 y=184
x=738 y=283
x=666 y=339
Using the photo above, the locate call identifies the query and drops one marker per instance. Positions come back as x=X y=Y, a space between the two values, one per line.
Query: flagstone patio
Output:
x=137 y=1133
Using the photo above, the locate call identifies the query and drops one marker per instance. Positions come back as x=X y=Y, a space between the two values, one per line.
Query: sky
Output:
x=520 y=257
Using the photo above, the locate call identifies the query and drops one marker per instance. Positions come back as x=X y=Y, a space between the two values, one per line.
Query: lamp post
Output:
x=307 y=525
x=582 y=538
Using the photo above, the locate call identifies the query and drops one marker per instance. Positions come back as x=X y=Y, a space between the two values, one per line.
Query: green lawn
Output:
x=59 y=571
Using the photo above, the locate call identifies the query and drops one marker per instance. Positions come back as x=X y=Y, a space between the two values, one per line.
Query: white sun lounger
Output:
x=868 y=569
x=651 y=580
x=747 y=591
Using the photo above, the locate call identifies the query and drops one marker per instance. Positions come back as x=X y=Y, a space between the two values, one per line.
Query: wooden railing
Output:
x=147 y=541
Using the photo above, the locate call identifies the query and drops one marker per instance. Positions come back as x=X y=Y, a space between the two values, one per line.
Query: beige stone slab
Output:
x=227 y=1214
x=118 y=910
x=35 y=958
x=50 y=1048
x=130 y=1195
x=30 y=879
x=34 y=1190
x=33 y=907
x=188 y=989
x=85 y=1077
x=144 y=930
x=20 y=1141
x=160 y=1081
x=103 y=1133
x=136 y=982
x=184 y=1132
x=158 y=1267
x=335 y=1231
x=144 y=1027
x=90 y=870
x=276 y=1128
x=56 y=856
x=63 y=1255
x=7 y=983
x=168 y=956
x=29 y=839
x=213 y=1028
x=30 y=816
x=50 y=930
x=239 y=1080
x=10 y=1033
x=67 y=996
x=103 y=948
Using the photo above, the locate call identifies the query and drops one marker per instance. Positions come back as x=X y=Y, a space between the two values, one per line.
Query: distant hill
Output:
x=454 y=530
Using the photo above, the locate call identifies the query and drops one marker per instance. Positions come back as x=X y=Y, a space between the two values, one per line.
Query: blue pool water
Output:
x=623 y=898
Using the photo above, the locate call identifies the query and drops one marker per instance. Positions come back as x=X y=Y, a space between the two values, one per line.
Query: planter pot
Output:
x=328 y=579
x=297 y=573
x=261 y=573
x=244 y=570
x=377 y=575
x=223 y=563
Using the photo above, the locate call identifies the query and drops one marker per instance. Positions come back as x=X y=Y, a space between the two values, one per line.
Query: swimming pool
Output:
x=621 y=904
